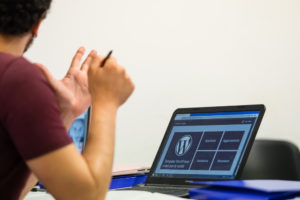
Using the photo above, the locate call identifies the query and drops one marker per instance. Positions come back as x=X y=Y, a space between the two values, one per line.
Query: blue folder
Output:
x=248 y=189
x=127 y=181
x=122 y=181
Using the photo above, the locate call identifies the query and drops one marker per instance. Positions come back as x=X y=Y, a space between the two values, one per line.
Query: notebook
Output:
x=247 y=189
x=208 y=143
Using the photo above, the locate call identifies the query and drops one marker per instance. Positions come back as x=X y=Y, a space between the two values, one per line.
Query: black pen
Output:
x=106 y=58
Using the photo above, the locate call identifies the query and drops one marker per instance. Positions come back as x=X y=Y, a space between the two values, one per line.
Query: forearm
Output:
x=99 y=148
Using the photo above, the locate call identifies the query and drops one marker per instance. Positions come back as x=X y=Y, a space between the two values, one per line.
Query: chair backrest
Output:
x=272 y=159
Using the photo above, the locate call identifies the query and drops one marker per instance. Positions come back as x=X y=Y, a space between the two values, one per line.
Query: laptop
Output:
x=208 y=143
x=79 y=129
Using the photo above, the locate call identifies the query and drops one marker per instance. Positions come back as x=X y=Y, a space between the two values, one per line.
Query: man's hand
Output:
x=72 y=91
x=108 y=85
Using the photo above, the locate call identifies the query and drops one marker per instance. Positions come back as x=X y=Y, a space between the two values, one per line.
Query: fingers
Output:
x=95 y=60
x=77 y=58
x=87 y=62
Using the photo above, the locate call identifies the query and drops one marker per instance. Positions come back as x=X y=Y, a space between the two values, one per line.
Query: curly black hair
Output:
x=17 y=17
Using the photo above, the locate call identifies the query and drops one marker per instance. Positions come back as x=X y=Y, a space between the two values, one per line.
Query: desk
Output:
x=38 y=196
x=117 y=182
x=112 y=195
x=250 y=189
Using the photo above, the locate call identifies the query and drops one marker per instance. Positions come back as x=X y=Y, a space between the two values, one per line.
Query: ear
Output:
x=36 y=27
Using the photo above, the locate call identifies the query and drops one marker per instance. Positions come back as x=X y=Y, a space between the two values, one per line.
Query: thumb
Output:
x=49 y=77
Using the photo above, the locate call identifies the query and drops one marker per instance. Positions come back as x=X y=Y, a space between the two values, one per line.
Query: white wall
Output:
x=185 y=53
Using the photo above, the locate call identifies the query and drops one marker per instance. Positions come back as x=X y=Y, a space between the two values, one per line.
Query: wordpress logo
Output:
x=183 y=145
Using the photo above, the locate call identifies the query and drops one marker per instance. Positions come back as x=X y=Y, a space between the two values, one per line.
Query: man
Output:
x=35 y=116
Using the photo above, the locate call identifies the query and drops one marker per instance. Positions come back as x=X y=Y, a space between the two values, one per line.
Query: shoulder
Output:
x=18 y=70
x=29 y=110
x=21 y=74
x=22 y=80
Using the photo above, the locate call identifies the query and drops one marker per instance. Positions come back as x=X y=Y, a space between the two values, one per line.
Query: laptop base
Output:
x=180 y=191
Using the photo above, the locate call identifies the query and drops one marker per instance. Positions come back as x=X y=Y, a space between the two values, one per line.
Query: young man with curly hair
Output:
x=36 y=110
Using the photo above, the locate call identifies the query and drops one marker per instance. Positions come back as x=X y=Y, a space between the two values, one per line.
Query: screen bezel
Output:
x=87 y=126
x=183 y=181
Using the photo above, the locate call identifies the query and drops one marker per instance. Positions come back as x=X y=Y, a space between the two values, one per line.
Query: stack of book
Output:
x=246 y=190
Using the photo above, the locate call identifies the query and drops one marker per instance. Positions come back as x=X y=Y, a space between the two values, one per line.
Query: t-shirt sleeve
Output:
x=31 y=114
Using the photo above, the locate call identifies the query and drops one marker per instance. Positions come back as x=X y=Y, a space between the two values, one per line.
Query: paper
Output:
x=138 y=195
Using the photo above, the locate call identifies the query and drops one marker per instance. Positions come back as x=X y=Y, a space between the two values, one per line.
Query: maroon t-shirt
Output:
x=30 y=123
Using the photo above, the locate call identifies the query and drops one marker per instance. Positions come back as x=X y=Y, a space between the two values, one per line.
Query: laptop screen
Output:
x=205 y=145
x=78 y=130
